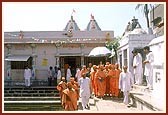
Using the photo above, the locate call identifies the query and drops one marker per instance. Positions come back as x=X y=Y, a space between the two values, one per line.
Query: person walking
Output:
x=84 y=83
x=92 y=78
x=75 y=86
x=125 y=84
x=149 y=67
x=84 y=70
x=137 y=67
x=61 y=86
x=117 y=74
x=106 y=71
x=27 y=76
x=101 y=81
x=68 y=74
x=69 y=98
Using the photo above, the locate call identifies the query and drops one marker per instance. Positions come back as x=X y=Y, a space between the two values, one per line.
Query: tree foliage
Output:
x=145 y=8
x=113 y=45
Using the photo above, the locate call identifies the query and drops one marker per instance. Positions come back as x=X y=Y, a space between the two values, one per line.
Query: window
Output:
x=21 y=64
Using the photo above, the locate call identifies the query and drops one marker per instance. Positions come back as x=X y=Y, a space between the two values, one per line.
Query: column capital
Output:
x=33 y=45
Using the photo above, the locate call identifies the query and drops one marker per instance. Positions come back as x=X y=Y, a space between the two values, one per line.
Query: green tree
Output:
x=145 y=9
x=113 y=45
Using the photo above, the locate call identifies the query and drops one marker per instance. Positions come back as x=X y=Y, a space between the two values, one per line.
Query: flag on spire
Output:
x=92 y=17
x=73 y=11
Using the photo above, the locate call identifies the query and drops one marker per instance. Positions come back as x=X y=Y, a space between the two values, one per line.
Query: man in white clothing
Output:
x=84 y=83
x=137 y=66
x=77 y=75
x=125 y=84
x=27 y=76
x=149 y=67
x=68 y=74
x=59 y=76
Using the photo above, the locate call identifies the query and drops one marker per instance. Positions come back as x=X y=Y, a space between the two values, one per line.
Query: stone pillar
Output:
x=130 y=59
x=82 y=61
x=8 y=62
x=122 y=59
x=34 y=56
x=34 y=67
x=82 y=54
x=8 y=70
x=57 y=46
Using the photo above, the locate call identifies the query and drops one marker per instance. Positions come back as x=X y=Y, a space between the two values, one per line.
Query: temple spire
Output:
x=92 y=25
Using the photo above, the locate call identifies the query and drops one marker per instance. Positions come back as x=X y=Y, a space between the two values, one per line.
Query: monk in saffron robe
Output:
x=111 y=75
x=84 y=70
x=69 y=98
x=92 y=79
x=61 y=86
x=101 y=81
x=106 y=71
x=75 y=86
x=117 y=72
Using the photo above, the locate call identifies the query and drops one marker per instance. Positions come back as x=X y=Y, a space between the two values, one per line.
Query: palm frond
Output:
x=138 y=6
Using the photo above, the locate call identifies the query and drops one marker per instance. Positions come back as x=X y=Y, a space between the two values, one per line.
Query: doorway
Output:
x=72 y=61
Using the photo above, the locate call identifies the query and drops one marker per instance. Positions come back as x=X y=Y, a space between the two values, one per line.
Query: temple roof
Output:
x=93 y=25
x=49 y=36
x=71 y=25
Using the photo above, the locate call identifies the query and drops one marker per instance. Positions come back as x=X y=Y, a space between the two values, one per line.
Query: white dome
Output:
x=138 y=31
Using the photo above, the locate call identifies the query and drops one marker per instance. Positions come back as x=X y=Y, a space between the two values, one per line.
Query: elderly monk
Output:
x=92 y=78
x=61 y=86
x=75 y=86
x=101 y=81
x=69 y=98
x=117 y=72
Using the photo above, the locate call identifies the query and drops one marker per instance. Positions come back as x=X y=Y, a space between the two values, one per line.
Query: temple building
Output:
x=42 y=49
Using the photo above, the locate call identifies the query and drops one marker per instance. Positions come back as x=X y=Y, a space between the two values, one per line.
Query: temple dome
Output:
x=138 y=31
x=72 y=25
x=93 y=25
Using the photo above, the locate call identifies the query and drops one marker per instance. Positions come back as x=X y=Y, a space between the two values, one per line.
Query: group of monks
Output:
x=69 y=93
x=104 y=81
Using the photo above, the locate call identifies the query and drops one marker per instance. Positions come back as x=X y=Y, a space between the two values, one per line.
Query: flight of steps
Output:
x=19 y=98
x=145 y=99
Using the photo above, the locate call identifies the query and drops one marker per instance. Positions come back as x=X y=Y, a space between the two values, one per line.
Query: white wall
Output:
x=158 y=47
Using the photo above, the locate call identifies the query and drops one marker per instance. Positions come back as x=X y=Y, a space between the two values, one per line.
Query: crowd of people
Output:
x=104 y=80
x=100 y=80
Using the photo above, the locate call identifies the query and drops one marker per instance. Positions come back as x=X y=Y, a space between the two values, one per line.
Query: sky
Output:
x=53 y=16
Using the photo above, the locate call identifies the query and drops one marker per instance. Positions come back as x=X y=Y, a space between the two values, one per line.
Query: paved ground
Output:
x=109 y=105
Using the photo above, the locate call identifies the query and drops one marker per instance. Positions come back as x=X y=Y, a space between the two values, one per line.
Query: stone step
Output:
x=31 y=88
x=33 y=106
x=31 y=94
x=31 y=91
x=43 y=108
x=144 y=99
x=31 y=98
x=32 y=102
